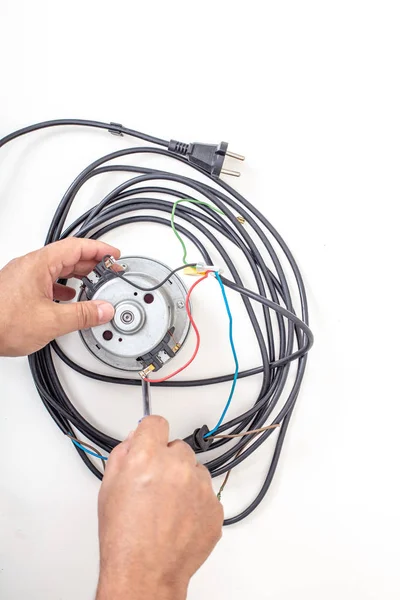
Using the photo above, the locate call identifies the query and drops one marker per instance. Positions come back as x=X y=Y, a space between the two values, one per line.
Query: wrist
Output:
x=145 y=586
x=7 y=335
x=2 y=336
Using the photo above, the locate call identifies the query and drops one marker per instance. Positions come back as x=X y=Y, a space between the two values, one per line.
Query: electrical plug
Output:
x=209 y=157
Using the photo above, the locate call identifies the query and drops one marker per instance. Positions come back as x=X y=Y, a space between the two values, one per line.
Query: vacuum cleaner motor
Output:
x=149 y=326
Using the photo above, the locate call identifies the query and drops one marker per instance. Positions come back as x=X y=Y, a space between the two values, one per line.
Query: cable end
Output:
x=197 y=441
x=208 y=157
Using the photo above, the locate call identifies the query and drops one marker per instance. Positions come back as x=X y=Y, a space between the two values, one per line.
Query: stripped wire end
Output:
x=143 y=374
x=201 y=269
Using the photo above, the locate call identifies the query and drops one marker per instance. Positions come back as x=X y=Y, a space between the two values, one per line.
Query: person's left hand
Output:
x=29 y=319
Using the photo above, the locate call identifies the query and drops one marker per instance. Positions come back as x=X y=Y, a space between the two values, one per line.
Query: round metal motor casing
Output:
x=143 y=319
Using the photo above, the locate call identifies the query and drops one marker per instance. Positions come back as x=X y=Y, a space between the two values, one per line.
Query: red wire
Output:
x=195 y=330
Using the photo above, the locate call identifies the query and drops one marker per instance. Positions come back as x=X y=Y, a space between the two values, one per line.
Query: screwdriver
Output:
x=146 y=398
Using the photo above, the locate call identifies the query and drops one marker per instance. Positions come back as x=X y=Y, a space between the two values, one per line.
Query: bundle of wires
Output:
x=283 y=338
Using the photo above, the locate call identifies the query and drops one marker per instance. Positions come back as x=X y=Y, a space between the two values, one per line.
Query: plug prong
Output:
x=234 y=155
x=229 y=172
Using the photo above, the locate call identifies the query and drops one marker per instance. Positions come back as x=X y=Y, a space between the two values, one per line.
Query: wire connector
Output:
x=201 y=269
x=209 y=157
x=143 y=374
x=105 y=270
x=197 y=441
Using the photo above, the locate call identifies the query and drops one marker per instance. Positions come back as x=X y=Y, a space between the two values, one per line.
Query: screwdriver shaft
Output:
x=146 y=398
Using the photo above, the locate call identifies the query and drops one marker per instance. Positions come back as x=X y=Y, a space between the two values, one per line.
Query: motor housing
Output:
x=149 y=327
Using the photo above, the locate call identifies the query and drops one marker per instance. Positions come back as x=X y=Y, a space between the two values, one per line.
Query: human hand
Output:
x=159 y=518
x=29 y=319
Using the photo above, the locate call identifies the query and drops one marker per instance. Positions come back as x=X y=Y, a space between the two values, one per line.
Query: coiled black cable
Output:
x=279 y=352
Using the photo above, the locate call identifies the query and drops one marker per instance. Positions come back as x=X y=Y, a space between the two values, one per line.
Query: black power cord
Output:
x=283 y=338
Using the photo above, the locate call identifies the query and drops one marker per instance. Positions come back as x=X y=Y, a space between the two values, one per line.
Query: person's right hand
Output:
x=159 y=518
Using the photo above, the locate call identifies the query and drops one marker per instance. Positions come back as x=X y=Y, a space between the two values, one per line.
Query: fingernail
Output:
x=105 y=311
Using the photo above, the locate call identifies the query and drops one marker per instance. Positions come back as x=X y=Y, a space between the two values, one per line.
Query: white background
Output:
x=309 y=92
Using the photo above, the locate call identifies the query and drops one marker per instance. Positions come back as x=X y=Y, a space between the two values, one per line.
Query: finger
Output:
x=81 y=315
x=182 y=451
x=202 y=471
x=153 y=430
x=116 y=458
x=63 y=292
x=82 y=268
x=68 y=253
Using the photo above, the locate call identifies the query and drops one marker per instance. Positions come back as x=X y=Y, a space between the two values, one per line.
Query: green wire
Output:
x=173 y=220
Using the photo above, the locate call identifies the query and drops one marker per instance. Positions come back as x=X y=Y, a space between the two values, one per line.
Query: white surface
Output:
x=309 y=92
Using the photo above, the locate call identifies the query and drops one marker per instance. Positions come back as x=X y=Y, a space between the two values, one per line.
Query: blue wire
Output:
x=88 y=451
x=228 y=310
x=235 y=377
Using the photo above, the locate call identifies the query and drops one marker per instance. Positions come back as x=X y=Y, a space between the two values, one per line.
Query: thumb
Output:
x=82 y=315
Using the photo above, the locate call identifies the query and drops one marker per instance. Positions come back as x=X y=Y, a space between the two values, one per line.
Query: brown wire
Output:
x=226 y=478
x=92 y=448
x=235 y=435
